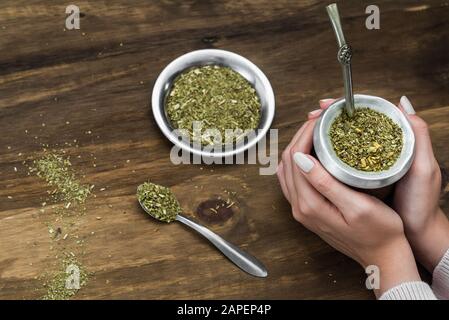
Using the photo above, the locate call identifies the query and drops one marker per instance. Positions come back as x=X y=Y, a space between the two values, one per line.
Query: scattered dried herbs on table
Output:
x=57 y=172
x=368 y=141
x=218 y=96
x=59 y=175
x=56 y=286
x=159 y=201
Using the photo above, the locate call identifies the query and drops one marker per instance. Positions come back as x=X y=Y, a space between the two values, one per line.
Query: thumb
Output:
x=343 y=197
x=423 y=147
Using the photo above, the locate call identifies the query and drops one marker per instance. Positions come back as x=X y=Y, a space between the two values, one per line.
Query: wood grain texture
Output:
x=99 y=79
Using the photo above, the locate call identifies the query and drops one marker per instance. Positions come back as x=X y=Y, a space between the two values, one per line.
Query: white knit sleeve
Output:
x=409 y=291
x=440 y=283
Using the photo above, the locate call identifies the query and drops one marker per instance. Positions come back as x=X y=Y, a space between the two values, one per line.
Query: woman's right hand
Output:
x=417 y=194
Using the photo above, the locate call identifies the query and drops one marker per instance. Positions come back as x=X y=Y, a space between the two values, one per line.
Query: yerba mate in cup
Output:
x=360 y=172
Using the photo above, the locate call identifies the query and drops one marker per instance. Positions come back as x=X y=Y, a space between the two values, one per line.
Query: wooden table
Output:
x=93 y=85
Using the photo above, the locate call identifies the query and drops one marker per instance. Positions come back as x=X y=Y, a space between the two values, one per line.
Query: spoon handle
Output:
x=242 y=259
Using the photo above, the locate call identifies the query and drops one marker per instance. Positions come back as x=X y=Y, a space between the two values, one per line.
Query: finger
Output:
x=423 y=143
x=325 y=103
x=310 y=202
x=296 y=136
x=280 y=174
x=343 y=197
x=287 y=163
x=303 y=143
x=314 y=114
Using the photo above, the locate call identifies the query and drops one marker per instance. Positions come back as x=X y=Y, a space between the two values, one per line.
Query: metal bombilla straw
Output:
x=344 y=57
x=322 y=143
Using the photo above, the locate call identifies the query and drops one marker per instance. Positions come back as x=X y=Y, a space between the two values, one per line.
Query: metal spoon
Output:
x=243 y=260
x=344 y=57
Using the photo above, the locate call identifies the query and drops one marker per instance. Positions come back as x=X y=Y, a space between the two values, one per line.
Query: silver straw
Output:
x=344 y=56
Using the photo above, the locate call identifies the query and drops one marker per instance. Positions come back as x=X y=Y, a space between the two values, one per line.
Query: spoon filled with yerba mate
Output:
x=160 y=203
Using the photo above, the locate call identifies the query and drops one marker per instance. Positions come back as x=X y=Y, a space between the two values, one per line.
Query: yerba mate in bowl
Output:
x=167 y=117
x=371 y=151
x=218 y=96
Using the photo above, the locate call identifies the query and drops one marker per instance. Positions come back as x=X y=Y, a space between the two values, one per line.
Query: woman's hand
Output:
x=356 y=224
x=416 y=197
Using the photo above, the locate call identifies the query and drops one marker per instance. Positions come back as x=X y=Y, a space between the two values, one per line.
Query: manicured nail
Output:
x=325 y=100
x=314 y=113
x=407 y=105
x=304 y=162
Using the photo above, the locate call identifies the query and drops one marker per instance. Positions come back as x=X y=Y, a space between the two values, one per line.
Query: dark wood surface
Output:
x=99 y=79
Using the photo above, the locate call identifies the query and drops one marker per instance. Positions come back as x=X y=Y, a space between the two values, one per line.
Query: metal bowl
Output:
x=347 y=174
x=239 y=64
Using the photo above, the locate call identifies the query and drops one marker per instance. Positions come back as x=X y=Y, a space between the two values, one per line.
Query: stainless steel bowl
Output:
x=345 y=173
x=239 y=64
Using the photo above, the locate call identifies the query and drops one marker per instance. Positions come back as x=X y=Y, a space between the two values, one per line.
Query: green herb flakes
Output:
x=368 y=141
x=57 y=287
x=57 y=172
x=159 y=201
x=218 y=96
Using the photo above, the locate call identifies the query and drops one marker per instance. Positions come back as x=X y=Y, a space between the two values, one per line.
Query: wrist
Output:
x=396 y=265
x=432 y=241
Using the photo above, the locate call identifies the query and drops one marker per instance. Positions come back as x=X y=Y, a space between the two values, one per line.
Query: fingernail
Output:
x=304 y=162
x=407 y=105
x=315 y=112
